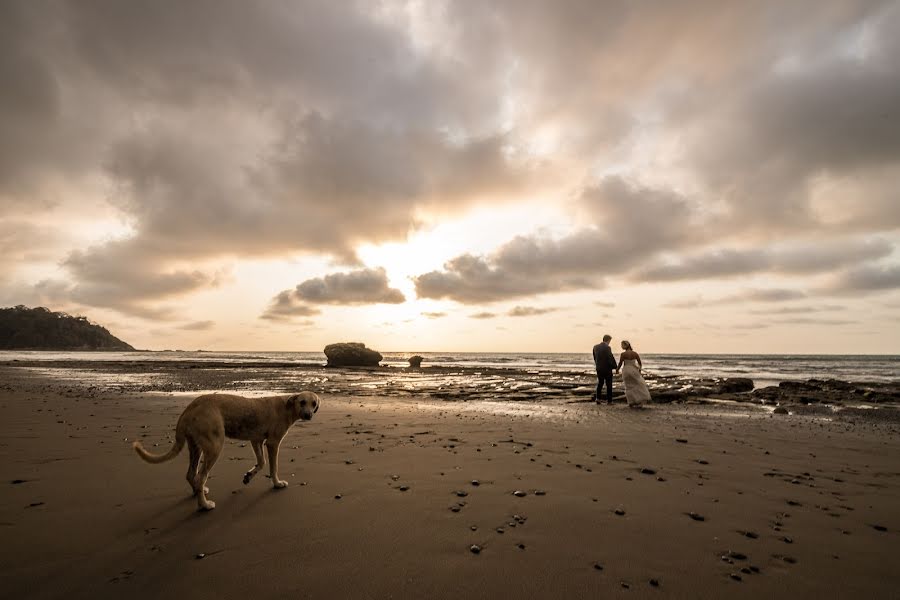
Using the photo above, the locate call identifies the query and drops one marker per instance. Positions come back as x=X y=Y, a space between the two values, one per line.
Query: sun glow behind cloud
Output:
x=514 y=161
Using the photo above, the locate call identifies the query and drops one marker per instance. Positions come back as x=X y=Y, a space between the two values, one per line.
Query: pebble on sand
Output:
x=696 y=517
x=521 y=494
x=475 y=549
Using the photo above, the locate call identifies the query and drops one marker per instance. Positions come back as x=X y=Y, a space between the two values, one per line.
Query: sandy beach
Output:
x=388 y=496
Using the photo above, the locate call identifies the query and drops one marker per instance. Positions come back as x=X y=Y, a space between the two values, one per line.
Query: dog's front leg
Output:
x=260 y=461
x=272 y=447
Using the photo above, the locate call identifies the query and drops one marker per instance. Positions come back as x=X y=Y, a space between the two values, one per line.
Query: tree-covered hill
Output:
x=23 y=328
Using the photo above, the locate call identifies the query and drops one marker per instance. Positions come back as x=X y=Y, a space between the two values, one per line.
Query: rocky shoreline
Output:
x=445 y=382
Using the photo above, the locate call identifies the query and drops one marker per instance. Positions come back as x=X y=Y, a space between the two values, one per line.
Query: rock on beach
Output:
x=351 y=354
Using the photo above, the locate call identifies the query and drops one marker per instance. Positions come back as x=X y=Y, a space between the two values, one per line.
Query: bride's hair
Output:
x=626 y=344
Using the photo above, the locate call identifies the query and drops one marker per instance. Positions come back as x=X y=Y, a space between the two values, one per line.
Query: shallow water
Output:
x=763 y=369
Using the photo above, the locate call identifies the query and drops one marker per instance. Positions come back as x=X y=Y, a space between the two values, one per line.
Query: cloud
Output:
x=197 y=326
x=360 y=287
x=260 y=144
x=526 y=266
x=364 y=286
x=747 y=295
x=434 y=315
x=22 y=241
x=798 y=310
x=747 y=138
x=529 y=311
x=482 y=315
x=866 y=279
x=286 y=306
x=790 y=259
x=814 y=321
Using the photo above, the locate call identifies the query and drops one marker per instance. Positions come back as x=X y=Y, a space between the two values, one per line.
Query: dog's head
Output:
x=304 y=405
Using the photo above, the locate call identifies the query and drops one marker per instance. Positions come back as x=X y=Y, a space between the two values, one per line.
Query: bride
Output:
x=636 y=391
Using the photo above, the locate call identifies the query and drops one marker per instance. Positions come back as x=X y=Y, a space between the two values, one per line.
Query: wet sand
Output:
x=674 y=501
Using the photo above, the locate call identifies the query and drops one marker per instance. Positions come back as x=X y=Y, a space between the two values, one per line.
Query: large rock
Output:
x=351 y=354
x=733 y=385
x=415 y=361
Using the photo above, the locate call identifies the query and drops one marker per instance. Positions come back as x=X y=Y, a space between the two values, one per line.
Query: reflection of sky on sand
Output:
x=98 y=378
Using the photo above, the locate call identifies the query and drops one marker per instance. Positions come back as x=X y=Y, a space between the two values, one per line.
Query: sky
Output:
x=506 y=175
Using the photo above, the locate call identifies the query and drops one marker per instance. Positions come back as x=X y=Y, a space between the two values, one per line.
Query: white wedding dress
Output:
x=636 y=391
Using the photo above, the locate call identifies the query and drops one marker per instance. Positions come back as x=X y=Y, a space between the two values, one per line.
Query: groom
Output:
x=605 y=363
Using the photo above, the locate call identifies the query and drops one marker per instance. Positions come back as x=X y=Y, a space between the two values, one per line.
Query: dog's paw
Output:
x=208 y=505
x=247 y=478
x=280 y=485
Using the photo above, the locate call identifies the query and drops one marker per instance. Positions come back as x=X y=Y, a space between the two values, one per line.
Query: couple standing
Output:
x=636 y=392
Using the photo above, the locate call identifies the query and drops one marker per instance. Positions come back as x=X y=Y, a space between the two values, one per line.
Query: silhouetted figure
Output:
x=636 y=391
x=605 y=363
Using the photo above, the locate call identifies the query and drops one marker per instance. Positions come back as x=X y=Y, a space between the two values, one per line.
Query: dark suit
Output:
x=605 y=363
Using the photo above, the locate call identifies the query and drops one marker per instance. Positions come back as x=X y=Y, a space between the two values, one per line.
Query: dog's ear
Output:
x=293 y=402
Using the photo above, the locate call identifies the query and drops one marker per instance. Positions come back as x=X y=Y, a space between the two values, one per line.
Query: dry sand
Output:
x=808 y=507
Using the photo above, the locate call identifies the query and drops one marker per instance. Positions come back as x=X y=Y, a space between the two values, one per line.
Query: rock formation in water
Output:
x=415 y=361
x=351 y=354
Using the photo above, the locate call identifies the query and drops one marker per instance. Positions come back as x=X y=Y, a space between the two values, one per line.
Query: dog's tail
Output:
x=158 y=458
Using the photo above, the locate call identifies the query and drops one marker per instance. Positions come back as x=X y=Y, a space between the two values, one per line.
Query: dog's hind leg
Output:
x=260 y=461
x=193 y=463
x=211 y=448
x=272 y=447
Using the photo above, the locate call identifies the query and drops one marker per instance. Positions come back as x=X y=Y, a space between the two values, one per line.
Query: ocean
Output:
x=763 y=369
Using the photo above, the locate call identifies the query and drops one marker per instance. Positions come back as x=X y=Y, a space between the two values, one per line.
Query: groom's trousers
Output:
x=604 y=377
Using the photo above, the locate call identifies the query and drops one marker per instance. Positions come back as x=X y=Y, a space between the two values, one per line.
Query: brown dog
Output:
x=209 y=419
